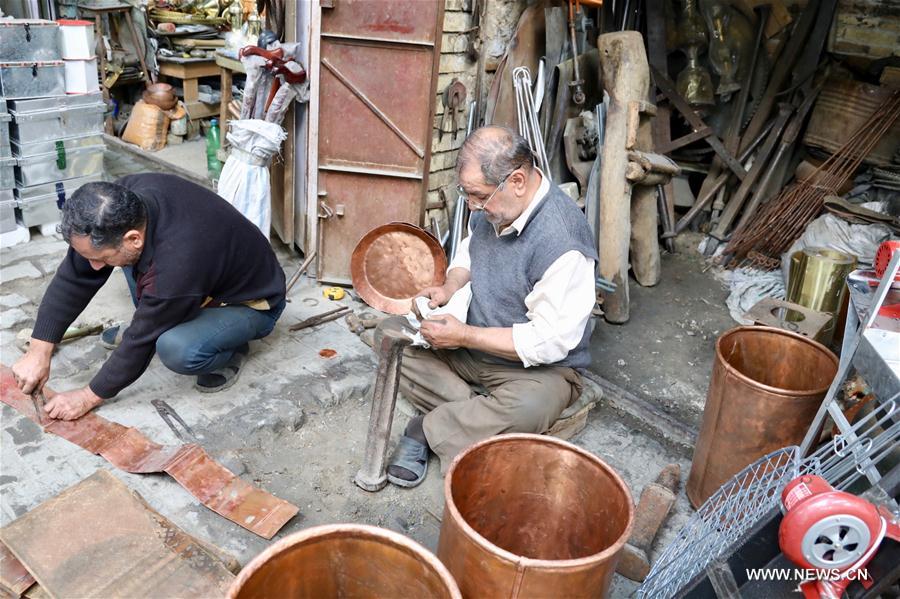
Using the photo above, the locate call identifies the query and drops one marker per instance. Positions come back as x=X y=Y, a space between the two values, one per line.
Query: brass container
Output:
x=533 y=516
x=765 y=389
x=817 y=280
x=344 y=560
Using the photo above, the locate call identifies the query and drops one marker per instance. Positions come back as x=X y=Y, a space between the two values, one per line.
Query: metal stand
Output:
x=829 y=404
x=372 y=476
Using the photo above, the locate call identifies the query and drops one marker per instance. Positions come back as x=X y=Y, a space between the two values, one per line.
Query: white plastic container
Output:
x=76 y=39
x=81 y=76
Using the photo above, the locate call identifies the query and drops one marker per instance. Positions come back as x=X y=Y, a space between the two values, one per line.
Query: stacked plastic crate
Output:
x=56 y=139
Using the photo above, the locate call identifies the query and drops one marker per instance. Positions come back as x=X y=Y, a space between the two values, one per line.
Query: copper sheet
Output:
x=344 y=560
x=393 y=262
x=14 y=578
x=128 y=449
x=114 y=545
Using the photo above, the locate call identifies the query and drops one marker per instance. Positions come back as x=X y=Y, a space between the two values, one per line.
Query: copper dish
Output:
x=160 y=94
x=393 y=262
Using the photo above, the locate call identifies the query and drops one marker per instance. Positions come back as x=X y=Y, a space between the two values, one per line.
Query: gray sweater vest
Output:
x=505 y=269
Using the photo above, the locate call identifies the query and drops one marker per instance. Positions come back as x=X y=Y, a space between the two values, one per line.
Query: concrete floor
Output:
x=295 y=423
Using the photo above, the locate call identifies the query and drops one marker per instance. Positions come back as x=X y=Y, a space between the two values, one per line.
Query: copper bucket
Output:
x=533 y=516
x=766 y=387
x=344 y=560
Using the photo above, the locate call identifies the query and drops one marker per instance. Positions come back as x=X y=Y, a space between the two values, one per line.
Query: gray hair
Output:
x=104 y=212
x=499 y=151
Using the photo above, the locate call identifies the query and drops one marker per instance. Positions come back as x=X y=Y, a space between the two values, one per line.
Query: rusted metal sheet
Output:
x=378 y=71
x=866 y=28
x=14 y=578
x=842 y=108
x=128 y=449
x=115 y=546
x=393 y=262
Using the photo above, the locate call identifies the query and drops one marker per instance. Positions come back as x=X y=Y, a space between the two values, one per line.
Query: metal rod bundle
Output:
x=784 y=218
x=529 y=127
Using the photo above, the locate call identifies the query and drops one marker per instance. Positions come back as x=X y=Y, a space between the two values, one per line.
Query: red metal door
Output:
x=378 y=71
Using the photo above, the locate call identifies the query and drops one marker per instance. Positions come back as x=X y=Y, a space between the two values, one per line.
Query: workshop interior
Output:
x=502 y=298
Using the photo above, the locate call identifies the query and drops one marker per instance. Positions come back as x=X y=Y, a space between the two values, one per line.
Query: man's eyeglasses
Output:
x=475 y=205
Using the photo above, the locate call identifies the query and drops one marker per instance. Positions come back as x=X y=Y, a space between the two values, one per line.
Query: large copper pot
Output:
x=765 y=389
x=533 y=516
x=344 y=560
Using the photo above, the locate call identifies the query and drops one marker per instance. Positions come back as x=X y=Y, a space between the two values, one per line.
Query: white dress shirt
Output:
x=560 y=303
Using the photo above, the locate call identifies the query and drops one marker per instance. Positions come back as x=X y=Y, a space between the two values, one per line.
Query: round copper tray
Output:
x=393 y=262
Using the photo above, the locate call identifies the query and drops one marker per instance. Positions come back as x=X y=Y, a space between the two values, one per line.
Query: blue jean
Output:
x=209 y=341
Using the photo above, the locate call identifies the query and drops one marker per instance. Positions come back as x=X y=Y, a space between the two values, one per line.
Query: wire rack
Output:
x=740 y=503
x=720 y=521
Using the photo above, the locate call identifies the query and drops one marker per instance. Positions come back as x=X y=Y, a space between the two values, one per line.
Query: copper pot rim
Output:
x=383 y=535
x=774 y=390
x=530 y=562
x=359 y=276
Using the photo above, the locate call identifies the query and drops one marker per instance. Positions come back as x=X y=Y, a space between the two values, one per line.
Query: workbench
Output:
x=189 y=71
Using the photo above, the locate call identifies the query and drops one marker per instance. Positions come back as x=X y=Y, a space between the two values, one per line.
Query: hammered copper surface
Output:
x=765 y=389
x=533 y=516
x=99 y=539
x=129 y=450
x=344 y=560
x=393 y=262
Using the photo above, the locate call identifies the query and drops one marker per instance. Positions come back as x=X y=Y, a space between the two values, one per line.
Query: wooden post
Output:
x=626 y=77
x=645 y=260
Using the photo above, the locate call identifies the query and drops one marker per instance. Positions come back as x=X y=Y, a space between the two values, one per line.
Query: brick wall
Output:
x=499 y=24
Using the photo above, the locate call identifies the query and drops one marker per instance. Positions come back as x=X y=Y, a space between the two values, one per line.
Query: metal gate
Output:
x=378 y=71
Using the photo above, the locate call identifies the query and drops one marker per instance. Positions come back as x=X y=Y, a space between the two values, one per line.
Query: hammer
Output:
x=656 y=501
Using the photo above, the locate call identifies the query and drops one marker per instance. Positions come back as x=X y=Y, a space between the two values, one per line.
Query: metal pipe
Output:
x=372 y=475
x=296 y=276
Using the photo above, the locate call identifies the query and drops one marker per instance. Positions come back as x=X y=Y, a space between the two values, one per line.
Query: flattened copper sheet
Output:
x=115 y=546
x=14 y=578
x=393 y=262
x=128 y=449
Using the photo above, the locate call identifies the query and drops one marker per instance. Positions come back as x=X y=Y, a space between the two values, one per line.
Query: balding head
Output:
x=498 y=151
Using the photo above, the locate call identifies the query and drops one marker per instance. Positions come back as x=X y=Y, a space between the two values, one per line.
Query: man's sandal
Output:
x=412 y=456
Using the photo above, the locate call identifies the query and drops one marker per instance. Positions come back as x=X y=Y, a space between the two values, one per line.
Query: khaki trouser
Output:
x=517 y=399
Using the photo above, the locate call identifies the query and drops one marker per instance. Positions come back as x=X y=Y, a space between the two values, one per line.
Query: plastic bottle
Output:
x=213 y=164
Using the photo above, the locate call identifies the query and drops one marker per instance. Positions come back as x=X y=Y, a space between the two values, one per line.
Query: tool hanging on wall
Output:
x=454 y=99
x=577 y=84
x=529 y=127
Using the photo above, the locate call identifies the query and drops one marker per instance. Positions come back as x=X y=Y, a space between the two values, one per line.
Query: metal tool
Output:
x=372 y=474
x=38 y=400
x=454 y=99
x=577 y=83
x=303 y=267
x=170 y=417
x=529 y=126
x=320 y=318
x=651 y=512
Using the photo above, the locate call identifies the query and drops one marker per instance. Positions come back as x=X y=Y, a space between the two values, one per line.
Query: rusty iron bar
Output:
x=321 y=318
x=781 y=220
x=372 y=476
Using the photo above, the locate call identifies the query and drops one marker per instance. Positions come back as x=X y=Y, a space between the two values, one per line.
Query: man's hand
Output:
x=72 y=404
x=33 y=369
x=444 y=332
x=438 y=296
